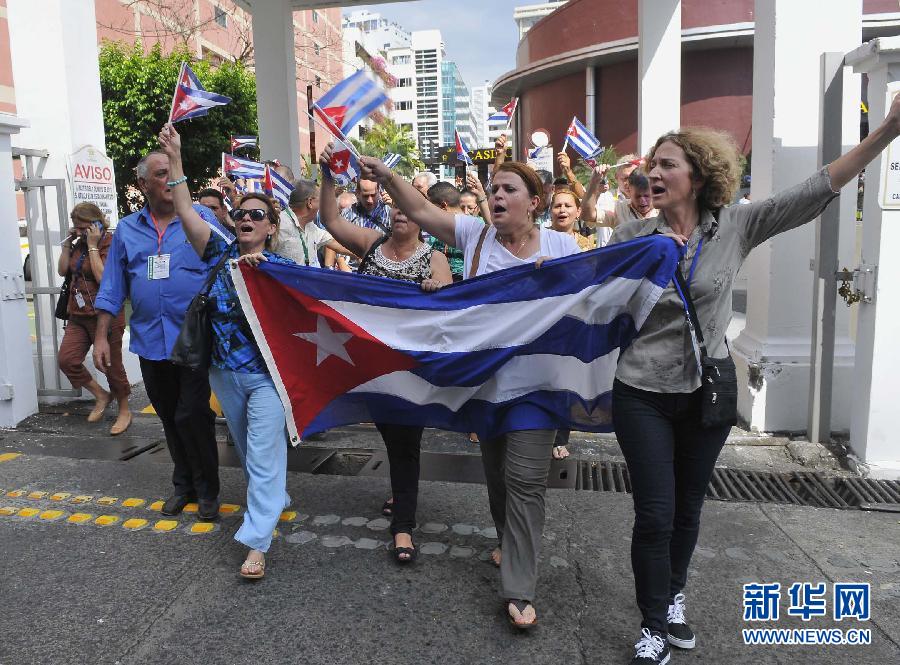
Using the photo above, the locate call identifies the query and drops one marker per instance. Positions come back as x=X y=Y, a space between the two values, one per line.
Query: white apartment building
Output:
x=487 y=131
x=527 y=15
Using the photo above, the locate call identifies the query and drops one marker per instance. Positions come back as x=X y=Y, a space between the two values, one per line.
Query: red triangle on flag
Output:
x=320 y=354
x=336 y=114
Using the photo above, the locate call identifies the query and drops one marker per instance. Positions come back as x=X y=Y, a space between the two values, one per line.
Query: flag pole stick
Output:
x=344 y=140
x=509 y=119
x=565 y=143
x=175 y=93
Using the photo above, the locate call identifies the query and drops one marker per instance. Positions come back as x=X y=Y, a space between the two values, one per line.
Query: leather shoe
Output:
x=208 y=509
x=175 y=504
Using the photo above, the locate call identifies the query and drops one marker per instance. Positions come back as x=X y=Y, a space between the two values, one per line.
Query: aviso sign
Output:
x=94 y=180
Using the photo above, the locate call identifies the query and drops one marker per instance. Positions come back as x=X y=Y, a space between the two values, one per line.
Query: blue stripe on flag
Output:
x=542 y=409
x=653 y=258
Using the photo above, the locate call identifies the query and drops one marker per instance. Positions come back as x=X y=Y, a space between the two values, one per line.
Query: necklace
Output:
x=524 y=240
x=396 y=254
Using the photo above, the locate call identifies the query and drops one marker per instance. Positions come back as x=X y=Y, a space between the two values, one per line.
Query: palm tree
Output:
x=387 y=136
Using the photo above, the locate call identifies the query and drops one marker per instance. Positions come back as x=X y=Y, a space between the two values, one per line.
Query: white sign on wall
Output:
x=94 y=180
x=890 y=182
x=541 y=158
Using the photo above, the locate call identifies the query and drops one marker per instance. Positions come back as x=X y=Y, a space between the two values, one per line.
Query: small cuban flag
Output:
x=504 y=114
x=238 y=167
x=582 y=140
x=242 y=142
x=343 y=167
x=351 y=100
x=462 y=151
x=277 y=186
x=391 y=160
x=191 y=100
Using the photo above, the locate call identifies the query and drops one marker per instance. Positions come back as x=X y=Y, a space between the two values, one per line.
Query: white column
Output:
x=53 y=44
x=276 y=82
x=872 y=433
x=772 y=353
x=18 y=392
x=659 y=70
x=590 y=99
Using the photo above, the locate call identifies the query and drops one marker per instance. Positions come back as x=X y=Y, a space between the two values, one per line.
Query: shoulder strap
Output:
x=690 y=312
x=368 y=256
x=476 y=257
x=211 y=277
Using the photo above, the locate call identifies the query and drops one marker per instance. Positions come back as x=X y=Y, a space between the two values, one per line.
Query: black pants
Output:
x=670 y=461
x=180 y=397
x=403 y=446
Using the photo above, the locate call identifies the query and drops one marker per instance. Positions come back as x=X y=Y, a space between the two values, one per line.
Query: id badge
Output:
x=158 y=266
x=79 y=299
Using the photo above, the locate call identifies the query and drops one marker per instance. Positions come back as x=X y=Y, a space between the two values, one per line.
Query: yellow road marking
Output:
x=37 y=495
x=60 y=496
x=82 y=498
x=28 y=512
x=165 y=525
x=79 y=518
x=8 y=510
x=190 y=508
x=202 y=527
x=229 y=508
x=134 y=523
x=6 y=457
x=288 y=516
x=107 y=500
x=156 y=505
x=133 y=503
x=106 y=520
x=16 y=493
x=213 y=404
x=149 y=409
x=51 y=514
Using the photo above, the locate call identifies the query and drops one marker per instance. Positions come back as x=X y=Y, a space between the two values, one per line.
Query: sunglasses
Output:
x=256 y=214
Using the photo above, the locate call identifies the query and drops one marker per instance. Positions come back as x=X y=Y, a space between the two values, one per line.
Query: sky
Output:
x=480 y=36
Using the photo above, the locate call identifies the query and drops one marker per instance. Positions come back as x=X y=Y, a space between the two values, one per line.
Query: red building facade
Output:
x=554 y=57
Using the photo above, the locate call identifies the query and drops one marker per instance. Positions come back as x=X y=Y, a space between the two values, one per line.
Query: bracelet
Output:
x=93 y=249
x=177 y=181
x=481 y=200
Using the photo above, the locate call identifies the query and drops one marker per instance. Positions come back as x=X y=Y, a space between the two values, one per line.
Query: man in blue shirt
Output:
x=152 y=263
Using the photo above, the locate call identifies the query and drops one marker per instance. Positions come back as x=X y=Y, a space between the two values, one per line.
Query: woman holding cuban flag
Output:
x=516 y=464
x=675 y=380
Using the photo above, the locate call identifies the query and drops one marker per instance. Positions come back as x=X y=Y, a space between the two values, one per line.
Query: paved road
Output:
x=93 y=574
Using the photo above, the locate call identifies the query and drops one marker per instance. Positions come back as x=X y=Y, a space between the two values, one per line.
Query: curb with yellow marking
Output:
x=8 y=457
x=130 y=524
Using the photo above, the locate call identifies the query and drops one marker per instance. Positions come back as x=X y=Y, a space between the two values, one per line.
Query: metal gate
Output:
x=44 y=231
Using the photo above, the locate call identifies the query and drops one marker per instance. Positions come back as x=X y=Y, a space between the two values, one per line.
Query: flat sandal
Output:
x=260 y=567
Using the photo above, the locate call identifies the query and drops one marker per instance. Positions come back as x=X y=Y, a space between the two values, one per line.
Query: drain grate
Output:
x=798 y=488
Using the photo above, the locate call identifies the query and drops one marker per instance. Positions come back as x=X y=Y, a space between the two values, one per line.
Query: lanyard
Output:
x=159 y=234
x=302 y=230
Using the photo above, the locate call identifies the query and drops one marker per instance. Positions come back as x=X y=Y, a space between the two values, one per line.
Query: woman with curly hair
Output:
x=656 y=401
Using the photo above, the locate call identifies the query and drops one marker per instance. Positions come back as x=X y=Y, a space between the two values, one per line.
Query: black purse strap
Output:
x=211 y=277
x=368 y=255
x=691 y=312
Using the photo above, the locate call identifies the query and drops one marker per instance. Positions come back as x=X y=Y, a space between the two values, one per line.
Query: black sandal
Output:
x=521 y=606
x=387 y=509
x=411 y=552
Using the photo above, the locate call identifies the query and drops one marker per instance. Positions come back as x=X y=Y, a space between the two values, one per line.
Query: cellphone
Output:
x=98 y=224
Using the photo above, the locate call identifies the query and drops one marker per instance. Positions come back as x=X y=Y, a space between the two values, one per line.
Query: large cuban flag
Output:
x=345 y=348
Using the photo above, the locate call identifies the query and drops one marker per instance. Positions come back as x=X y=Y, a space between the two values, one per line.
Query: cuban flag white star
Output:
x=328 y=343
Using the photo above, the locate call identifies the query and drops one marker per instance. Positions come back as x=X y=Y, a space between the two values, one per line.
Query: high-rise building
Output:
x=487 y=130
x=527 y=15
x=457 y=108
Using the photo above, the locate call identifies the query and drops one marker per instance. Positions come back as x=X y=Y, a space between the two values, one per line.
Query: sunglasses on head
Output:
x=256 y=214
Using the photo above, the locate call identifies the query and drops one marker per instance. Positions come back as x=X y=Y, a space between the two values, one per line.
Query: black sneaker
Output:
x=208 y=509
x=680 y=634
x=651 y=649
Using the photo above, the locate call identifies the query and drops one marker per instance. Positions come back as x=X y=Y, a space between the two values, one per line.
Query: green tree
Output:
x=583 y=171
x=387 y=136
x=137 y=96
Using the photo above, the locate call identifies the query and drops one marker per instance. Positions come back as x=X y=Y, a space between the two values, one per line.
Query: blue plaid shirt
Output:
x=234 y=347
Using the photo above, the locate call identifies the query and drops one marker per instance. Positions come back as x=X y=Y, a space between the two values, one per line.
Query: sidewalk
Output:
x=144 y=590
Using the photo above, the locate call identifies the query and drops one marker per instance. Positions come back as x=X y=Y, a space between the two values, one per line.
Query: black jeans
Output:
x=180 y=397
x=670 y=461
x=403 y=446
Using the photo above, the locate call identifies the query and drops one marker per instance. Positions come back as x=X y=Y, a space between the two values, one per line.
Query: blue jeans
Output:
x=256 y=420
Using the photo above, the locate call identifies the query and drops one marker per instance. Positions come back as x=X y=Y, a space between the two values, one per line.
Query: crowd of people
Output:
x=433 y=234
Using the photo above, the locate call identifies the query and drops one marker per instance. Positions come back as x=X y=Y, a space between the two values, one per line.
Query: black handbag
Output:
x=193 y=348
x=62 y=302
x=718 y=378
